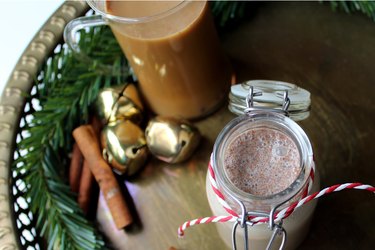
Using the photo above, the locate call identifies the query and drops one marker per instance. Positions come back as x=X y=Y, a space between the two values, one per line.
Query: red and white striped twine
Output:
x=282 y=214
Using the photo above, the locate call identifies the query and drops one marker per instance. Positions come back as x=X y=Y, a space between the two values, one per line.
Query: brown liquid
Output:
x=177 y=59
x=262 y=161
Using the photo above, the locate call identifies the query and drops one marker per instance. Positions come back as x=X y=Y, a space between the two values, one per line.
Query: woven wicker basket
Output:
x=16 y=221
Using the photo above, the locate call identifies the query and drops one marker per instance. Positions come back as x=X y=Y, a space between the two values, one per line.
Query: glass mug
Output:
x=173 y=49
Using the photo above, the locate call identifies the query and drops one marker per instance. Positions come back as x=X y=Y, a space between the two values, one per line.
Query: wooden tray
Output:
x=331 y=55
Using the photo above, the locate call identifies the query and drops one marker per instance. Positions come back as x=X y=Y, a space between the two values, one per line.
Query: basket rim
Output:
x=12 y=102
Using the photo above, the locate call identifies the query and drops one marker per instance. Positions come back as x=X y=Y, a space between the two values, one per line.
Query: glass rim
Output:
x=134 y=20
x=288 y=193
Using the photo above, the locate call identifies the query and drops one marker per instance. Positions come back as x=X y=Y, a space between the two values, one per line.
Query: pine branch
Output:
x=365 y=7
x=66 y=90
x=226 y=12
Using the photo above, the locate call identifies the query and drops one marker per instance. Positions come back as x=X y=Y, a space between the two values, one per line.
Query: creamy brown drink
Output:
x=263 y=163
x=177 y=57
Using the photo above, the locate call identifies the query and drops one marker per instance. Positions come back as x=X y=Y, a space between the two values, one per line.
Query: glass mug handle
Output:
x=72 y=28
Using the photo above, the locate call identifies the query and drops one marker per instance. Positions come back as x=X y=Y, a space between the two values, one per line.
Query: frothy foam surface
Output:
x=262 y=161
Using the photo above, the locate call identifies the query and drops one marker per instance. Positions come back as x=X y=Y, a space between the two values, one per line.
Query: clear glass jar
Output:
x=297 y=224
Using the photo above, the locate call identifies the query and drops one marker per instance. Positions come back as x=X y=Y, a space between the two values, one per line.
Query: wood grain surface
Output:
x=330 y=54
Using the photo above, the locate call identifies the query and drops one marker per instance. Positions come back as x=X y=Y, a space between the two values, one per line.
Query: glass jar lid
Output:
x=270 y=94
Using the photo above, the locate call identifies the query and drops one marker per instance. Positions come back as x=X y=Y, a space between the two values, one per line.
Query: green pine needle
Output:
x=66 y=90
x=365 y=7
x=225 y=12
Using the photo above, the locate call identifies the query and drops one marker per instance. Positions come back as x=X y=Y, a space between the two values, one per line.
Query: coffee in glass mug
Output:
x=175 y=52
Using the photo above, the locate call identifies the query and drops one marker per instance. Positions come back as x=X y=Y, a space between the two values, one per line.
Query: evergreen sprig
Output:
x=65 y=89
x=365 y=7
x=225 y=12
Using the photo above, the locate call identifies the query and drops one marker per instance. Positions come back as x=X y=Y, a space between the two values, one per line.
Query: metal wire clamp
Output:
x=251 y=107
x=276 y=228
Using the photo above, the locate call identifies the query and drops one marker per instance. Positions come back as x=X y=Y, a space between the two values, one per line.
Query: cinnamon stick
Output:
x=85 y=188
x=75 y=168
x=96 y=125
x=88 y=143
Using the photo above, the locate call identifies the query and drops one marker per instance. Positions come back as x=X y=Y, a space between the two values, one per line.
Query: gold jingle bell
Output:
x=124 y=146
x=119 y=103
x=171 y=140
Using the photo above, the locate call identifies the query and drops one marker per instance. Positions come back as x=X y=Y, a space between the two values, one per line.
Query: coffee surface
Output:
x=136 y=9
